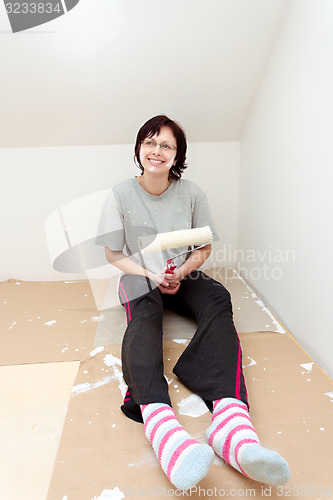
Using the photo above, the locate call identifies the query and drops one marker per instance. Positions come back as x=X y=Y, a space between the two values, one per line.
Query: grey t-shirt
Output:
x=130 y=213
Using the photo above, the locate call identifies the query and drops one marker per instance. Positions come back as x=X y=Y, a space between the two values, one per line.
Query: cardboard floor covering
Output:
x=105 y=455
x=33 y=401
x=59 y=321
x=46 y=321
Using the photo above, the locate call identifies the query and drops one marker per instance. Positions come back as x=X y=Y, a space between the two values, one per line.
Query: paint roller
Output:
x=174 y=239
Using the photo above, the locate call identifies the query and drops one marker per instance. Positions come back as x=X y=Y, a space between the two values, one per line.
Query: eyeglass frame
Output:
x=160 y=144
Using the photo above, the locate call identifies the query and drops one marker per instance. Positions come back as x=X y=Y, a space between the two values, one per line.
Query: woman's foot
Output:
x=233 y=437
x=182 y=458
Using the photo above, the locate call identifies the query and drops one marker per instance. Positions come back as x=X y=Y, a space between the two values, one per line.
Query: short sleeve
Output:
x=110 y=230
x=201 y=215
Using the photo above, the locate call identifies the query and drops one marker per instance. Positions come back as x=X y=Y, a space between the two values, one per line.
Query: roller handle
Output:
x=170 y=263
x=170 y=266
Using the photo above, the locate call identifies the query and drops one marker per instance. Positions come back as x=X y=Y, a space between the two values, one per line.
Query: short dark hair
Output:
x=152 y=127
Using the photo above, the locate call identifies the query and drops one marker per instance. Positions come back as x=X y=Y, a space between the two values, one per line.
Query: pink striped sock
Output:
x=233 y=437
x=182 y=458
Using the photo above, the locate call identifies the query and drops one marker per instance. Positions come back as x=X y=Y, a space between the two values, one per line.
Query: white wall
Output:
x=37 y=181
x=286 y=179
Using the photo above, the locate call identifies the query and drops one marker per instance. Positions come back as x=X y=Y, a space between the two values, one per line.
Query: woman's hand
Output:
x=172 y=280
x=159 y=281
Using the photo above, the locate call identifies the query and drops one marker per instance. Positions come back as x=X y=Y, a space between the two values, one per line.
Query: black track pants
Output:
x=210 y=366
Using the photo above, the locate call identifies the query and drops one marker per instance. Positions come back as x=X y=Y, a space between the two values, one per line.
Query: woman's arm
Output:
x=195 y=260
x=127 y=265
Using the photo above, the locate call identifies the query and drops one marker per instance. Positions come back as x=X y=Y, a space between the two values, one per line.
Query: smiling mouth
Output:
x=157 y=162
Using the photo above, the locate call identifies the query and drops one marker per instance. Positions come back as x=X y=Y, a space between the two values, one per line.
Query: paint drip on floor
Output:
x=115 y=494
x=82 y=388
x=96 y=351
x=252 y=362
x=279 y=328
x=193 y=406
x=307 y=366
x=112 y=361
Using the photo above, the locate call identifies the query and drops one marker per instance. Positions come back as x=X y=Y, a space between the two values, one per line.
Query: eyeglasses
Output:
x=166 y=146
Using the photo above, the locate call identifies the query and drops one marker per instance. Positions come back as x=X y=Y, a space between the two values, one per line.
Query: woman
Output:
x=160 y=201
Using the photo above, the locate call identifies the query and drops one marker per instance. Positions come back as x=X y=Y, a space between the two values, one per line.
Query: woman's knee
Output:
x=218 y=294
x=133 y=288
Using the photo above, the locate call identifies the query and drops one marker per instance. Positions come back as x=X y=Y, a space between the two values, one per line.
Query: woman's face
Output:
x=158 y=153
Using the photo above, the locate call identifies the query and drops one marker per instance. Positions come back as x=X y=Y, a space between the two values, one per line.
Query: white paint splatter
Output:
x=252 y=362
x=180 y=341
x=11 y=326
x=82 y=388
x=147 y=457
x=307 y=366
x=65 y=497
x=322 y=428
x=112 y=361
x=115 y=494
x=76 y=281
x=279 y=328
x=96 y=351
x=49 y=323
x=170 y=163
x=65 y=349
x=169 y=381
x=329 y=394
x=218 y=461
x=97 y=318
x=193 y=406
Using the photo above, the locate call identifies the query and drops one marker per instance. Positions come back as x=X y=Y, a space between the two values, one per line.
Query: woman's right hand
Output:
x=163 y=285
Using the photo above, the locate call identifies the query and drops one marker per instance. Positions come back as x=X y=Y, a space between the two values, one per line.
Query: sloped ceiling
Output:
x=94 y=75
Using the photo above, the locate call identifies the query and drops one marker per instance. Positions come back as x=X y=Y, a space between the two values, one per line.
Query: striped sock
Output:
x=182 y=458
x=233 y=437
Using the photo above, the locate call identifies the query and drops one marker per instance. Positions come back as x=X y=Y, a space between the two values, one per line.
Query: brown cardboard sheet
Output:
x=105 y=455
x=34 y=400
x=250 y=314
x=46 y=321
x=60 y=321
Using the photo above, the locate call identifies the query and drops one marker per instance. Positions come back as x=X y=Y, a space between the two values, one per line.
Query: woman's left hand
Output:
x=173 y=279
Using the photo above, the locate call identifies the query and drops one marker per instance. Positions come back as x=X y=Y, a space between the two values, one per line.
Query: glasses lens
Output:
x=149 y=143
x=166 y=146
